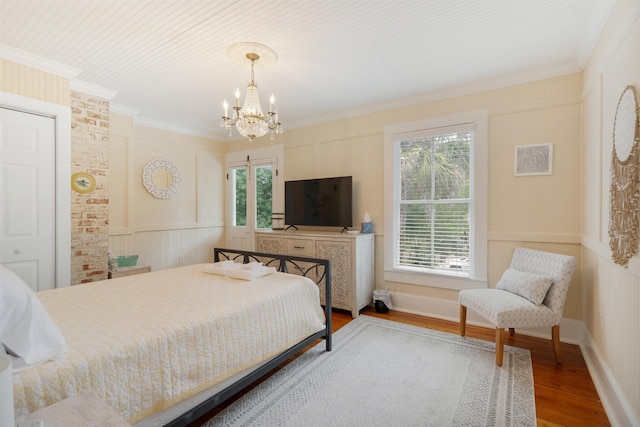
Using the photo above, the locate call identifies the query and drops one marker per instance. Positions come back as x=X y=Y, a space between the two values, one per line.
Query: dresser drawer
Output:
x=300 y=247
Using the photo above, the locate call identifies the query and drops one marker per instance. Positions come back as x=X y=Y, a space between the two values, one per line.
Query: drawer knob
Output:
x=298 y=247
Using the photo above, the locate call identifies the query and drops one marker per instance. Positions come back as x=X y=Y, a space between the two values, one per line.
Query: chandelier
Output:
x=249 y=120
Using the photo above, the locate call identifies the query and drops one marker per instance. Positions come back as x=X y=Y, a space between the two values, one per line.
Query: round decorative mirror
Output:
x=625 y=177
x=161 y=178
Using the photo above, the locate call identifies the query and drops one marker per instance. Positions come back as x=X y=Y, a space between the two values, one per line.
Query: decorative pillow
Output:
x=26 y=329
x=528 y=285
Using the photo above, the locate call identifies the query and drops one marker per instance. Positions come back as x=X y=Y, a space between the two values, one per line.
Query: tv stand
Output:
x=345 y=228
x=291 y=226
x=351 y=256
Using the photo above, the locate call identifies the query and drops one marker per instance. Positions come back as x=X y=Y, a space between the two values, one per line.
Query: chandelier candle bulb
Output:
x=225 y=105
x=271 y=101
x=237 y=97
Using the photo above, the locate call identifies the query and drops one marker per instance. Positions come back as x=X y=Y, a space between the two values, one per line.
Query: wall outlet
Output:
x=180 y=259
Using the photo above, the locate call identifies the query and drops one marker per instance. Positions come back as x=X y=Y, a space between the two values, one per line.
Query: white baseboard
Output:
x=571 y=331
x=618 y=409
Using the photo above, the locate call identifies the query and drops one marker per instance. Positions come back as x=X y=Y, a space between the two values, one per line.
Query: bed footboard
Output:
x=319 y=270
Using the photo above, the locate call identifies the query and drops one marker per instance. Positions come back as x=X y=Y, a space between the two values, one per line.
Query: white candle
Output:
x=237 y=97
x=272 y=100
x=225 y=105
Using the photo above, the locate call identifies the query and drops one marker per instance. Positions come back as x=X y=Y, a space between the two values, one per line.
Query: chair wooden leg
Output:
x=499 y=346
x=463 y=320
x=512 y=331
x=555 y=337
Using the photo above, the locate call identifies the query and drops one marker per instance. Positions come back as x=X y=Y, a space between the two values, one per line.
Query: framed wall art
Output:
x=534 y=159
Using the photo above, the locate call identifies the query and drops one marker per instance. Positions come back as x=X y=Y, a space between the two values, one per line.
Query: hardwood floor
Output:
x=565 y=394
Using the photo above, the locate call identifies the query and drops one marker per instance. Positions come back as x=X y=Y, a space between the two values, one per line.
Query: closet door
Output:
x=27 y=197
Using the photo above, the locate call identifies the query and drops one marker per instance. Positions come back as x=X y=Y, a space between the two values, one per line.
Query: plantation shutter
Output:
x=433 y=203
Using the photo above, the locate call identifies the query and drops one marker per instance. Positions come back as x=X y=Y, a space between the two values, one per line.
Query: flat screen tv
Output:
x=321 y=202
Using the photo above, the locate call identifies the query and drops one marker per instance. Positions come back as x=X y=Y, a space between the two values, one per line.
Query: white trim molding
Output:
x=18 y=56
x=617 y=407
x=62 y=115
x=571 y=331
x=91 y=89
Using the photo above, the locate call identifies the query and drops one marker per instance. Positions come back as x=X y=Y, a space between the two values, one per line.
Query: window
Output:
x=254 y=192
x=435 y=202
x=263 y=195
x=238 y=176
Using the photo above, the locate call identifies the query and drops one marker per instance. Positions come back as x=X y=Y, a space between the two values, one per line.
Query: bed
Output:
x=166 y=347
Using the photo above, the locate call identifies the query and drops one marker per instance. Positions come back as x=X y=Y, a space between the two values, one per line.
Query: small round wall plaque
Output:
x=83 y=182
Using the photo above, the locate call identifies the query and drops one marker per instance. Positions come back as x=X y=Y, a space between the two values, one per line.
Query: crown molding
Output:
x=92 y=89
x=144 y=121
x=34 y=61
x=123 y=109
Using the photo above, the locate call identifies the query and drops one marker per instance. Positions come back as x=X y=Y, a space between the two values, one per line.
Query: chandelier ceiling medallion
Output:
x=249 y=120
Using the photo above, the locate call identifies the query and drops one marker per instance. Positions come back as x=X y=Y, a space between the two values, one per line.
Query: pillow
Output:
x=528 y=285
x=26 y=329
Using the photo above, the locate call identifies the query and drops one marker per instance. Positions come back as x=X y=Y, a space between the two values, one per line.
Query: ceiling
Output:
x=167 y=60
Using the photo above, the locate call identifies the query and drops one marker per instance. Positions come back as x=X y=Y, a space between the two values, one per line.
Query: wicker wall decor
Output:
x=625 y=178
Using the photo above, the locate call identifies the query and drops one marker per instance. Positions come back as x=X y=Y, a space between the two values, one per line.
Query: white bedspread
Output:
x=142 y=343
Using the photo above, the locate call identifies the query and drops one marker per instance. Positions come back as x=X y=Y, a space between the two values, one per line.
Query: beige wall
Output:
x=165 y=232
x=33 y=83
x=536 y=211
x=611 y=292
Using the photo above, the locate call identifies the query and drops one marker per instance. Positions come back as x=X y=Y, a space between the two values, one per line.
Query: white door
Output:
x=254 y=192
x=27 y=197
x=251 y=188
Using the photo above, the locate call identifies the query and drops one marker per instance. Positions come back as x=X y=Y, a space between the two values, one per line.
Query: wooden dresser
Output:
x=351 y=256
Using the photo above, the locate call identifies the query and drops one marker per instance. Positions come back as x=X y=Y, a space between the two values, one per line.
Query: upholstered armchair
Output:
x=531 y=293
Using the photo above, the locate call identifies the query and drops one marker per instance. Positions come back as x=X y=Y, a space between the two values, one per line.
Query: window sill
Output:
x=434 y=280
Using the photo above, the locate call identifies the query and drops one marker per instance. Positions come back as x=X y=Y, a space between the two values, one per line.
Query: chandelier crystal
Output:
x=249 y=120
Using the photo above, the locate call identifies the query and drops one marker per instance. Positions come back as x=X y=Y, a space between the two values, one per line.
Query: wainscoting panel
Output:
x=169 y=248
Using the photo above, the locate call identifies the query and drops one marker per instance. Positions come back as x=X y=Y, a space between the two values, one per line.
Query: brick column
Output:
x=89 y=212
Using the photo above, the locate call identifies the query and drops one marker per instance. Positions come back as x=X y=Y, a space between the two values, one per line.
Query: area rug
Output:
x=384 y=373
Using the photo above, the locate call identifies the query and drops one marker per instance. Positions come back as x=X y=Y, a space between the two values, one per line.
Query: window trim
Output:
x=478 y=195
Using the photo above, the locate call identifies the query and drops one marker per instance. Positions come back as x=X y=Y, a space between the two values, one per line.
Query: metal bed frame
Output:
x=319 y=270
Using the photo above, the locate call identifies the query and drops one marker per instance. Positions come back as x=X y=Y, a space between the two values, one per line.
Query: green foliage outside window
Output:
x=434 y=202
x=241 y=197
x=264 y=196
